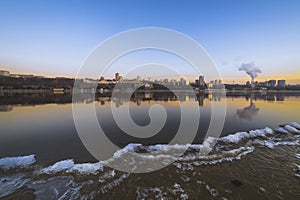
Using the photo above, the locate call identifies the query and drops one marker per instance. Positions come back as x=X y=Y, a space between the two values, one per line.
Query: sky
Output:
x=53 y=38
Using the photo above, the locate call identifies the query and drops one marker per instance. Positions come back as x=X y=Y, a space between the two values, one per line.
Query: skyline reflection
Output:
x=7 y=102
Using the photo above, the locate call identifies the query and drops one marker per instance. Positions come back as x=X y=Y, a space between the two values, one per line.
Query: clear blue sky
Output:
x=54 y=37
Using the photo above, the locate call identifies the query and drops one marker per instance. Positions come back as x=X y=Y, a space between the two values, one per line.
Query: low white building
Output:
x=4 y=73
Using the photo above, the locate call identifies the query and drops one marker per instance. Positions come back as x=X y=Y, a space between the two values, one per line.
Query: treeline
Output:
x=35 y=83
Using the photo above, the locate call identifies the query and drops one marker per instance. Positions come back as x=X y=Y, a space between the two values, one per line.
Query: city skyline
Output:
x=54 y=41
x=200 y=80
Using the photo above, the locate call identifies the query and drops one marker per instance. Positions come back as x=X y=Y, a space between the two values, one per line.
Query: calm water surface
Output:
x=260 y=167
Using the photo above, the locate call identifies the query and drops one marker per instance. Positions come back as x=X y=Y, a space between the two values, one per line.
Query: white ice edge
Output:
x=242 y=152
x=295 y=125
x=92 y=168
x=17 y=162
x=237 y=137
x=291 y=129
x=271 y=144
x=281 y=130
x=69 y=166
x=207 y=143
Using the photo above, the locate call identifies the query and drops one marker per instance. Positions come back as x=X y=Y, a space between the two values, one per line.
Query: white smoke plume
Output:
x=250 y=69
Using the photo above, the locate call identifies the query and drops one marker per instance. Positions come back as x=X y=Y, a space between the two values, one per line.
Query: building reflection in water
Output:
x=8 y=101
x=6 y=108
x=270 y=97
x=139 y=97
x=216 y=96
x=280 y=96
x=200 y=98
x=248 y=112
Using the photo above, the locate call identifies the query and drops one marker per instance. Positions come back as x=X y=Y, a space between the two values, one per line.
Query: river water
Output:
x=256 y=156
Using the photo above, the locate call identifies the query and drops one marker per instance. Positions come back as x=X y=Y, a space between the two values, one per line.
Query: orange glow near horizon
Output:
x=290 y=78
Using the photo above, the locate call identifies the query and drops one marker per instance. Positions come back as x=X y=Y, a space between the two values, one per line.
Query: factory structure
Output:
x=270 y=84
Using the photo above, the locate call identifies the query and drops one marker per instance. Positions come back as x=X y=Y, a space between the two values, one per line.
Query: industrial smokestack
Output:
x=252 y=83
x=251 y=70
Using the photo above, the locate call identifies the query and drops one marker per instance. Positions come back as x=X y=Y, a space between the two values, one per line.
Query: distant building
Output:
x=173 y=82
x=201 y=83
x=89 y=80
x=248 y=84
x=4 y=73
x=58 y=90
x=262 y=84
x=216 y=85
x=272 y=83
x=31 y=76
x=182 y=80
x=281 y=83
x=117 y=76
x=15 y=75
x=186 y=82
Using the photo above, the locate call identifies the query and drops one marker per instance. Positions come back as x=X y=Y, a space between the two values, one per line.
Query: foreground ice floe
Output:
x=237 y=137
x=17 y=162
x=297 y=170
x=12 y=182
x=281 y=130
x=235 y=154
x=69 y=166
x=271 y=144
x=127 y=149
x=291 y=129
x=295 y=125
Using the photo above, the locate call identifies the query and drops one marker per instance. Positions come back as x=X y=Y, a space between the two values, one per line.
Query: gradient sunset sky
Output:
x=53 y=38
